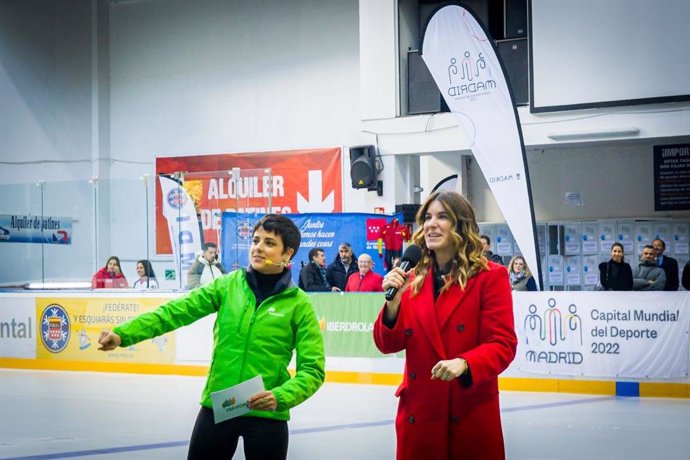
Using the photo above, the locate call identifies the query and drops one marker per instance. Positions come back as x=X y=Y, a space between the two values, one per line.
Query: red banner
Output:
x=301 y=181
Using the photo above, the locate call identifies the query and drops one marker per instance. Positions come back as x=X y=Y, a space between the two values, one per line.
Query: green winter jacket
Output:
x=247 y=341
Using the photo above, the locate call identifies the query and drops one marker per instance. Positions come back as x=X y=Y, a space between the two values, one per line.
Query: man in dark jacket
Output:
x=312 y=278
x=668 y=264
x=342 y=267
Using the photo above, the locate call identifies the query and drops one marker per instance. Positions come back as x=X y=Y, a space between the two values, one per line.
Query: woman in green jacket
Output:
x=261 y=318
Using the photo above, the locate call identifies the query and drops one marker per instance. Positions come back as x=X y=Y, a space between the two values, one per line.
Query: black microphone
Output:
x=410 y=259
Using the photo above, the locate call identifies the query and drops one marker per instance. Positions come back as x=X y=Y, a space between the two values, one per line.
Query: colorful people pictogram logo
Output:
x=552 y=327
x=55 y=328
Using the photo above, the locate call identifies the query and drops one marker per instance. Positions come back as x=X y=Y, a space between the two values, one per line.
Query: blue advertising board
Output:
x=322 y=230
x=23 y=228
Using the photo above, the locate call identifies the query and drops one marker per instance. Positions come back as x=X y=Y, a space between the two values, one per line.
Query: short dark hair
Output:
x=663 y=243
x=648 y=246
x=485 y=237
x=207 y=246
x=282 y=227
x=313 y=252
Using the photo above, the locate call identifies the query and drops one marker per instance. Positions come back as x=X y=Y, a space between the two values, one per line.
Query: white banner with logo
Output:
x=183 y=224
x=607 y=334
x=468 y=73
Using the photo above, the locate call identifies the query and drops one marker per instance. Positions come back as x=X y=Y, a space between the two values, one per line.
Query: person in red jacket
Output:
x=110 y=276
x=453 y=316
x=365 y=280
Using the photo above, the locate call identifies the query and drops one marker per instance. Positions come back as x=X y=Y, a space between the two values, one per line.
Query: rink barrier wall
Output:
x=348 y=361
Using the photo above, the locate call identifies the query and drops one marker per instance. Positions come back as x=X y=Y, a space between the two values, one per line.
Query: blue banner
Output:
x=322 y=230
x=24 y=228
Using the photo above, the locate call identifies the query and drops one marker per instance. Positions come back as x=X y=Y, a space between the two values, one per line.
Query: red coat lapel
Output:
x=449 y=301
x=426 y=314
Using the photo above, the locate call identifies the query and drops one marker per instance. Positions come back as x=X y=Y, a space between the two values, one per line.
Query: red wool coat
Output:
x=439 y=420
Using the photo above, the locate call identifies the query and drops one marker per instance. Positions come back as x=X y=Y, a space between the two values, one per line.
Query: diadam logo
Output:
x=504 y=178
x=55 y=330
x=176 y=198
x=469 y=77
x=244 y=230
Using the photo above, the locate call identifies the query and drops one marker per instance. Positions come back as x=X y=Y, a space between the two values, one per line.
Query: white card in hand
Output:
x=232 y=402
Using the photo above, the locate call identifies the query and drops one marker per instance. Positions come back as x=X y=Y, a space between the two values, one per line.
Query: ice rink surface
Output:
x=84 y=415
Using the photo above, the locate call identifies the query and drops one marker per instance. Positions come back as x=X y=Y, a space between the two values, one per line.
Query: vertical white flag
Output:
x=183 y=224
x=463 y=62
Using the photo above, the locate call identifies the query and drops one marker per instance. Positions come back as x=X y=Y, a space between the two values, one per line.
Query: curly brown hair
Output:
x=465 y=238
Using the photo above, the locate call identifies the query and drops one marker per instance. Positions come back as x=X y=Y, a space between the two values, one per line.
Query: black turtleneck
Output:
x=439 y=274
x=265 y=285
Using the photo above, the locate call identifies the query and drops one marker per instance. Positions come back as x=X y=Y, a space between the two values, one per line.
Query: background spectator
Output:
x=344 y=265
x=147 y=279
x=616 y=274
x=365 y=280
x=205 y=268
x=110 y=276
x=648 y=276
x=486 y=244
x=312 y=278
x=668 y=264
x=521 y=278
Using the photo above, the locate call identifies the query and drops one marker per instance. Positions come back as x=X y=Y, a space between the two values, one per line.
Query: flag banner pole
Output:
x=467 y=70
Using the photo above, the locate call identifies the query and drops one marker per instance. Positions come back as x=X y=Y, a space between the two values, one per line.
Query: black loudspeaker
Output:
x=409 y=212
x=423 y=95
x=514 y=56
x=363 y=167
x=480 y=8
x=515 y=18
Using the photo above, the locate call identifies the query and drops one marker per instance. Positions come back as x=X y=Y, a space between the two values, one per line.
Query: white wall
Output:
x=213 y=76
x=616 y=180
x=99 y=88
x=45 y=90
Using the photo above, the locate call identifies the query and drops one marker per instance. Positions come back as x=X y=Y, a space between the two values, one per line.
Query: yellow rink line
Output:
x=601 y=387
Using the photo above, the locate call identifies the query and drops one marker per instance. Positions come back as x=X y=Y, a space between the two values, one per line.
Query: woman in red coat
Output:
x=453 y=316
x=110 y=276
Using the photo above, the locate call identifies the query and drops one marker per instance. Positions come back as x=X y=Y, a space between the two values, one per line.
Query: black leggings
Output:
x=264 y=439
